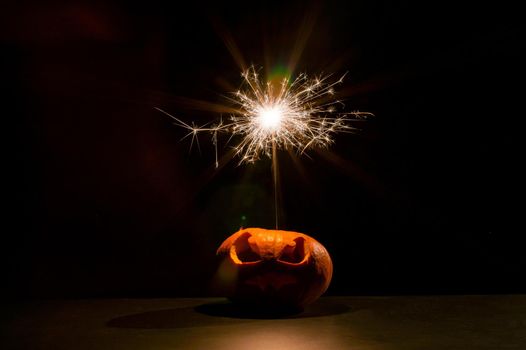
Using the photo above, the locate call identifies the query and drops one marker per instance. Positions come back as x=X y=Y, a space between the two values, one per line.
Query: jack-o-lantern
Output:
x=273 y=268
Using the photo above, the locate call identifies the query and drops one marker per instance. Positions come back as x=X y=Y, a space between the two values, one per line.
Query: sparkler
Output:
x=297 y=115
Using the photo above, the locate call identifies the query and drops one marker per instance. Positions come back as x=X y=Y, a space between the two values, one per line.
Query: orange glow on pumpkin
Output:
x=274 y=267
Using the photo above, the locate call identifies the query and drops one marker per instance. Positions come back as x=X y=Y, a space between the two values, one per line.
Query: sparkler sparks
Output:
x=294 y=114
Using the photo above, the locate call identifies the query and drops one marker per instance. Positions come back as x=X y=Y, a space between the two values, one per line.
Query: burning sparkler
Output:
x=298 y=115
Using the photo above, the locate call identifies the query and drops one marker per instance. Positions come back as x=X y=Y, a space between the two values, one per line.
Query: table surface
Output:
x=397 y=322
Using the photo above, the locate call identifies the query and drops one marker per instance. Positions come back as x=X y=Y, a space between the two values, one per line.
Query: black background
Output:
x=103 y=200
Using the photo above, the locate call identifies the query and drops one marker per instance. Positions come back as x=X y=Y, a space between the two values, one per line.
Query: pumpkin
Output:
x=273 y=268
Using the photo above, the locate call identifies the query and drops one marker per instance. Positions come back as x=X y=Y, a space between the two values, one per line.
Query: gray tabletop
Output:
x=398 y=322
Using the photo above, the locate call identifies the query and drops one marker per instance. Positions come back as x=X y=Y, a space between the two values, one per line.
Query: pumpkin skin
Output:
x=273 y=268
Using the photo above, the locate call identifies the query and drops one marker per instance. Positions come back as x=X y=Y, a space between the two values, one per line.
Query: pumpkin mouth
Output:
x=245 y=251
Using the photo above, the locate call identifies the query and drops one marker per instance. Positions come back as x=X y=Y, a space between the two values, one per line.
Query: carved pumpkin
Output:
x=273 y=268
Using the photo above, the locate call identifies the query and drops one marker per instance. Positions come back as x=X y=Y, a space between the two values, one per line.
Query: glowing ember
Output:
x=270 y=118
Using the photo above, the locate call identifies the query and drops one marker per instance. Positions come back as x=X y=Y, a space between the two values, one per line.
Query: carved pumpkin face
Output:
x=274 y=268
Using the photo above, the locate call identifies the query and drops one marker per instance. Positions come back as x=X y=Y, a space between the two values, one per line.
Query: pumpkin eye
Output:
x=294 y=253
x=245 y=250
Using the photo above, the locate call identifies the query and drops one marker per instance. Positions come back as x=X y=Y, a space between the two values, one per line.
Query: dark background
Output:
x=103 y=200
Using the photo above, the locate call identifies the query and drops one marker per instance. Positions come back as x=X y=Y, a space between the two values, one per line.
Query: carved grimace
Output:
x=274 y=268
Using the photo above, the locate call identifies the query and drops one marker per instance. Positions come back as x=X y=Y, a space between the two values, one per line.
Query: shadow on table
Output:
x=227 y=309
x=218 y=313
